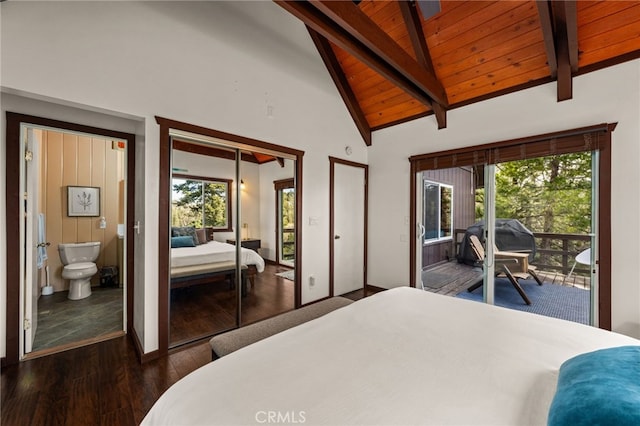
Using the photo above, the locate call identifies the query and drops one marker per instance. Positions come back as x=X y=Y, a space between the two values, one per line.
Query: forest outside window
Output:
x=438 y=212
x=201 y=202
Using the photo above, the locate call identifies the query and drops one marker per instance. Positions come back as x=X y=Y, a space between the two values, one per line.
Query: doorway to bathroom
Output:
x=72 y=227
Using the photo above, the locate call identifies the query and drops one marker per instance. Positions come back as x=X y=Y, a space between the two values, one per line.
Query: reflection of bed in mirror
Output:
x=198 y=264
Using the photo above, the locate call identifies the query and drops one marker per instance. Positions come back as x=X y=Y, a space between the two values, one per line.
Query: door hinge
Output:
x=27 y=323
x=28 y=155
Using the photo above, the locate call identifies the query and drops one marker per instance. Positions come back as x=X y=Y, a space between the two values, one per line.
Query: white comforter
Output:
x=403 y=356
x=213 y=252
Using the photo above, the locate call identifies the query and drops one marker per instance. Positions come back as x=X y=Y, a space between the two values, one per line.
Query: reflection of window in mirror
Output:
x=201 y=202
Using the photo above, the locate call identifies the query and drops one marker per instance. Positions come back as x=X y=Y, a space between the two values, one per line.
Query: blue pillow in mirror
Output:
x=184 y=241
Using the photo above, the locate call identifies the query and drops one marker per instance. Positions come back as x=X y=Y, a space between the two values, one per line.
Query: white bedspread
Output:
x=214 y=252
x=403 y=356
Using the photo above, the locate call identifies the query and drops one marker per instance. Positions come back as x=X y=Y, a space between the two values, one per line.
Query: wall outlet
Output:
x=312 y=280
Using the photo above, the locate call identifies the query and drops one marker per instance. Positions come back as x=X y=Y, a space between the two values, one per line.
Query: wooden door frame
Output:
x=164 y=220
x=14 y=212
x=332 y=162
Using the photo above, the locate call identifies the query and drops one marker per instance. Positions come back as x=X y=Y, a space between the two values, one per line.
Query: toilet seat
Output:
x=80 y=270
x=80 y=265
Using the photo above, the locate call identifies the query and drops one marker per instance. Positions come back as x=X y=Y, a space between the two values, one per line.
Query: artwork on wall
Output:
x=83 y=201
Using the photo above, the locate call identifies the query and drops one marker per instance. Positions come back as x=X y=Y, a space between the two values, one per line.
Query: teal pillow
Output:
x=185 y=241
x=598 y=388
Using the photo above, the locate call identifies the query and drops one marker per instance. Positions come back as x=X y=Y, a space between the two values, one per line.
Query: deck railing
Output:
x=554 y=252
x=557 y=252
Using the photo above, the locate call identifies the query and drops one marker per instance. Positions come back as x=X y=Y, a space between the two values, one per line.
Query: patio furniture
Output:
x=502 y=263
x=523 y=256
x=584 y=258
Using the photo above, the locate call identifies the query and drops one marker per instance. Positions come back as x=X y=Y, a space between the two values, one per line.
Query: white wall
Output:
x=611 y=95
x=214 y=64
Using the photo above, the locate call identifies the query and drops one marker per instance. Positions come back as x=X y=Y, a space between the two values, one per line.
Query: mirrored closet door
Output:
x=232 y=239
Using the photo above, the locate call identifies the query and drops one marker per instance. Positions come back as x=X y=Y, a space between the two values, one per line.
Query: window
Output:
x=438 y=211
x=201 y=202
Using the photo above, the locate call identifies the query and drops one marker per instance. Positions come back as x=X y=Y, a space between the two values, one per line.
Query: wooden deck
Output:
x=451 y=278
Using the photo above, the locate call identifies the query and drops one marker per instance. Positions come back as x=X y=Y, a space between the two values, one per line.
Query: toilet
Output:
x=78 y=260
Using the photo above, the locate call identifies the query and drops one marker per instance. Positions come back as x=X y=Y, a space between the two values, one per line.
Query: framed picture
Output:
x=83 y=201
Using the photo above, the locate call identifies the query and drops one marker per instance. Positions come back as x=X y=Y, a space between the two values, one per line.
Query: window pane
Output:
x=186 y=203
x=215 y=204
x=446 y=211
x=431 y=208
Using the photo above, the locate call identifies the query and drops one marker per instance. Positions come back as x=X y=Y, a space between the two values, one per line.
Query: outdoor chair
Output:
x=525 y=270
x=505 y=262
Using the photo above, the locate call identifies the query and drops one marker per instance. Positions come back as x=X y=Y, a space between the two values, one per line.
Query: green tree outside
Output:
x=199 y=203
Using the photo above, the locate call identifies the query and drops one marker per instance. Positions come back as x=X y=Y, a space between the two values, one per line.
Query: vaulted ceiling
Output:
x=392 y=65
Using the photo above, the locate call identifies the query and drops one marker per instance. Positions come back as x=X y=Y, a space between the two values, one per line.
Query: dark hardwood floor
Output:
x=104 y=384
x=100 y=384
x=203 y=310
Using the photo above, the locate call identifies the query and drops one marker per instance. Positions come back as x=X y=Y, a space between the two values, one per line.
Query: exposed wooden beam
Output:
x=546 y=25
x=335 y=71
x=316 y=20
x=559 y=13
x=571 y=20
x=349 y=17
x=558 y=20
x=418 y=41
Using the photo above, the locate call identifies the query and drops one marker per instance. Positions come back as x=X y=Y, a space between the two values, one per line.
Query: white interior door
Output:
x=349 y=226
x=30 y=284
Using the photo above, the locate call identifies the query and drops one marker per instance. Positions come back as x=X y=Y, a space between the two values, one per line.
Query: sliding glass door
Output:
x=533 y=239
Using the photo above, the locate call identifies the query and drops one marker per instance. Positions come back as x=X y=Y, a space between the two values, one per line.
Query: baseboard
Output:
x=142 y=357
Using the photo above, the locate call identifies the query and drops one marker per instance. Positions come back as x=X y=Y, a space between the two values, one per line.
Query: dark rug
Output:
x=569 y=303
x=436 y=280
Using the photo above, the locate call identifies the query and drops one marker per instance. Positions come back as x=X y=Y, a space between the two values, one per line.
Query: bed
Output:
x=196 y=264
x=402 y=356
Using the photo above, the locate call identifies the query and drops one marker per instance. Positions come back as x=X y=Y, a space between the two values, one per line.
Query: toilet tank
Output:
x=79 y=252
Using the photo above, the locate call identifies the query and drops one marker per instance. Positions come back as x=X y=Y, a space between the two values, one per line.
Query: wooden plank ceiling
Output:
x=391 y=65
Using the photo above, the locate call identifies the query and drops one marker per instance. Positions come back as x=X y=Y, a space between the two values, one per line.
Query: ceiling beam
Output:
x=559 y=25
x=350 y=18
x=571 y=20
x=316 y=20
x=546 y=25
x=413 y=23
x=333 y=66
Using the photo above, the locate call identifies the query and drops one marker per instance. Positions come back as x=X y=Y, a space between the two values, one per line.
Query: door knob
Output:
x=337 y=237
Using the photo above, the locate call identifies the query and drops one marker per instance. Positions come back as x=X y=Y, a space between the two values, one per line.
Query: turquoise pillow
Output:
x=598 y=388
x=185 y=241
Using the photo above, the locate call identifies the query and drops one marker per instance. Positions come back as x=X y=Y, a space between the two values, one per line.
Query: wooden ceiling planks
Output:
x=607 y=29
x=481 y=49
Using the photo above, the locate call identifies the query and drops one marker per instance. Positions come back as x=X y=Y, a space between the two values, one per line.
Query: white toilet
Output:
x=78 y=259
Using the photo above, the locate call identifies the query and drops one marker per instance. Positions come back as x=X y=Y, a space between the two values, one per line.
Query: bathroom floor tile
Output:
x=62 y=321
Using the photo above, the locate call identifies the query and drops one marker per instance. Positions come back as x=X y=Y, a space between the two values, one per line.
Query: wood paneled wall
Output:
x=461 y=178
x=74 y=160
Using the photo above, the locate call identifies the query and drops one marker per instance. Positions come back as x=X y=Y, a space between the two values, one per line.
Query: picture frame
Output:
x=83 y=201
